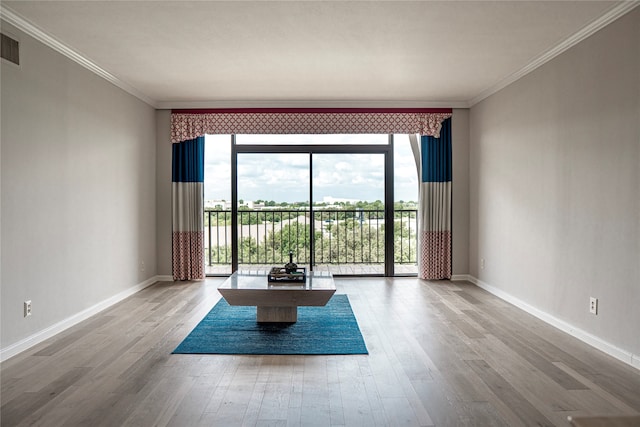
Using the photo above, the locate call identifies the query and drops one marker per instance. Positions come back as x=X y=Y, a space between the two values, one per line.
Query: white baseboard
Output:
x=164 y=278
x=461 y=278
x=594 y=341
x=635 y=361
x=52 y=330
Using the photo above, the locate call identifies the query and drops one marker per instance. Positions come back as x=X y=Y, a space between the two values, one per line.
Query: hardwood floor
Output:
x=441 y=354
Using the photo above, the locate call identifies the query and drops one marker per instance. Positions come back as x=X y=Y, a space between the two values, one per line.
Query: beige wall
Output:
x=460 y=196
x=555 y=186
x=78 y=190
x=163 y=186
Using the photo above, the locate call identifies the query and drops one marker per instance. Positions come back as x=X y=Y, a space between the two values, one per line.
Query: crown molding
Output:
x=187 y=105
x=25 y=26
x=596 y=25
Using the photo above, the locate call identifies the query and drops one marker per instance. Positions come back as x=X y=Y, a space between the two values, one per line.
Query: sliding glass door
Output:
x=323 y=198
x=273 y=209
x=348 y=204
x=327 y=199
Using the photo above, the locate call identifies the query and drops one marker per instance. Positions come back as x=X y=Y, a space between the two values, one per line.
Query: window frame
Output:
x=385 y=149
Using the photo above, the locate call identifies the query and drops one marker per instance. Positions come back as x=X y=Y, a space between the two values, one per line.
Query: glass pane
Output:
x=217 y=170
x=273 y=211
x=405 y=206
x=313 y=139
x=217 y=204
x=348 y=194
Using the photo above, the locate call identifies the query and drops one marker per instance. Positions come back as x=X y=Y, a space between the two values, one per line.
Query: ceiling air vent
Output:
x=10 y=49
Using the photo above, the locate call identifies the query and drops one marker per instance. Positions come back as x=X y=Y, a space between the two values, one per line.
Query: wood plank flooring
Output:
x=441 y=354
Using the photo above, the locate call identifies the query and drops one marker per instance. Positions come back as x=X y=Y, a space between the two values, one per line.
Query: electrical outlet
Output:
x=142 y=266
x=593 y=305
x=482 y=263
x=27 y=308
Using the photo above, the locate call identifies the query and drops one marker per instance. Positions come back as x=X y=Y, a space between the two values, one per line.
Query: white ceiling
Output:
x=308 y=53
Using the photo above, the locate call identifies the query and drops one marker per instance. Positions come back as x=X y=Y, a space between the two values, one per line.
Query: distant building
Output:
x=254 y=205
x=218 y=204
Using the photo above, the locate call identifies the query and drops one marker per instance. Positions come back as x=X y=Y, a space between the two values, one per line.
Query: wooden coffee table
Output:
x=279 y=301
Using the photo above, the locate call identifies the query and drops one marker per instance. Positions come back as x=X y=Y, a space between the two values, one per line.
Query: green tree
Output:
x=247 y=216
x=219 y=255
x=350 y=241
x=347 y=236
x=294 y=237
x=248 y=251
x=404 y=242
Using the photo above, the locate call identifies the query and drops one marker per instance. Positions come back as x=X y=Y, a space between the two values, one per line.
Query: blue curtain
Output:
x=187 y=208
x=434 y=260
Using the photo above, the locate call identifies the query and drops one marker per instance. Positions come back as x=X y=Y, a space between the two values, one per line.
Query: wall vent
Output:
x=10 y=49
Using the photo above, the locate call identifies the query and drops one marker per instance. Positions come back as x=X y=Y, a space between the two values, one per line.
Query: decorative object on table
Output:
x=289 y=273
x=279 y=274
x=291 y=266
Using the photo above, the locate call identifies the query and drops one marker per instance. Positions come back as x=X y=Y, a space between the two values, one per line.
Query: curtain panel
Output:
x=187 y=196
x=434 y=260
x=191 y=124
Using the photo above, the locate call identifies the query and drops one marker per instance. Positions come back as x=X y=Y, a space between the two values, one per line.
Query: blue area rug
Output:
x=331 y=329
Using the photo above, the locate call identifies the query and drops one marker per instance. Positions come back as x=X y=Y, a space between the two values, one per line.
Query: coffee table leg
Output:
x=277 y=314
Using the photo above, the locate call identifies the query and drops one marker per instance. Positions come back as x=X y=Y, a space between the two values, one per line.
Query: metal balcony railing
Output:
x=265 y=237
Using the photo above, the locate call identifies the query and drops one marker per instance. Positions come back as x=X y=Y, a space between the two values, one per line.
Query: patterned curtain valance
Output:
x=186 y=125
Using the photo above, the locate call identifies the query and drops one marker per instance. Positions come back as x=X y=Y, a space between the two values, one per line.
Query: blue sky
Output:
x=285 y=177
